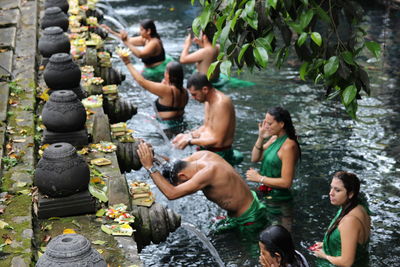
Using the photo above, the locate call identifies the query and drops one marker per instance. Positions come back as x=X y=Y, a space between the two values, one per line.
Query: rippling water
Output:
x=330 y=141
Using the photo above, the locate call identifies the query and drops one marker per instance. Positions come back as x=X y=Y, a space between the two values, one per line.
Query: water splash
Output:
x=107 y=8
x=202 y=237
x=157 y=125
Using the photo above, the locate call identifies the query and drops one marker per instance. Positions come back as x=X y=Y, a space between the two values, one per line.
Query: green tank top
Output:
x=271 y=166
x=333 y=247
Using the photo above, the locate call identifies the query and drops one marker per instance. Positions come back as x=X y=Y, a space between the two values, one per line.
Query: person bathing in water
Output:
x=153 y=54
x=219 y=181
x=218 y=129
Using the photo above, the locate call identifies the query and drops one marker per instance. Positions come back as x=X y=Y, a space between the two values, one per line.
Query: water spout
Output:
x=193 y=229
x=107 y=8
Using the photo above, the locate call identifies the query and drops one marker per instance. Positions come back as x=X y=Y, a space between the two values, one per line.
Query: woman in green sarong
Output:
x=346 y=241
x=279 y=156
x=153 y=54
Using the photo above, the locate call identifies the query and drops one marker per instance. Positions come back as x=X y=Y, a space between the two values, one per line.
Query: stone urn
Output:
x=62 y=72
x=62 y=4
x=127 y=156
x=64 y=112
x=52 y=41
x=54 y=16
x=70 y=250
x=61 y=171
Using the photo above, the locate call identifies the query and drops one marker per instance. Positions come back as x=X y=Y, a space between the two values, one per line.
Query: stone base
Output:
x=77 y=138
x=79 y=203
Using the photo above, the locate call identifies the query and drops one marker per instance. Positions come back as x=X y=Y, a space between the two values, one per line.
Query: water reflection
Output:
x=330 y=141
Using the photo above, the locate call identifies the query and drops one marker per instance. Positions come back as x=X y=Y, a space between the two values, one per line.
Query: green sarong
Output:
x=156 y=73
x=232 y=156
x=254 y=219
x=230 y=82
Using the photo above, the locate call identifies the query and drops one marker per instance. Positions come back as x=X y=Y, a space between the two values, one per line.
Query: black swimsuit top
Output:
x=163 y=108
x=151 y=60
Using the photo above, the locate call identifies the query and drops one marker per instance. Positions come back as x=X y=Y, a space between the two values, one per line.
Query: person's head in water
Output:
x=147 y=27
x=174 y=74
x=345 y=191
x=276 y=243
x=171 y=171
x=199 y=86
x=279 y=119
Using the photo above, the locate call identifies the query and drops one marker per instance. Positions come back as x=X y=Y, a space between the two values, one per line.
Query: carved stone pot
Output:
x=61 y=171
x=64 y=112
x=127 y=156
x=61 y=72
x=63 y=4
x=54 y=16
x=70 y=250
x=52 y=41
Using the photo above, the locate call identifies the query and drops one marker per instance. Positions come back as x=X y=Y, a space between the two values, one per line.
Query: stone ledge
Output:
x=3 y=101
x=9 y=17
x=7 y=37
x=6 y=61
x=9 y=4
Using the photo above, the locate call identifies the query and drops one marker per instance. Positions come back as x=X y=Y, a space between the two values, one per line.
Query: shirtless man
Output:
x=206 y=55
x=218 y=129
x=210 y=173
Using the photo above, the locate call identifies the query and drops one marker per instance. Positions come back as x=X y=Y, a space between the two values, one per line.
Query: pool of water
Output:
x=329 y=139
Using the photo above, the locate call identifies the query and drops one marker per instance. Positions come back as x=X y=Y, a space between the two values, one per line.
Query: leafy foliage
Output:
x=327 y=37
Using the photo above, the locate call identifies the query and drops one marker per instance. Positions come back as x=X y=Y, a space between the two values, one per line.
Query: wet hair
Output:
x=210 y=31
x=170 y=171
x=282 y=115
x=198 y=80
x=175 y=72
x=277 y=239
x=149 y=24
x=352 y=185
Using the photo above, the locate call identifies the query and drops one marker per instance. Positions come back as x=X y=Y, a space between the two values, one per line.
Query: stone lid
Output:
x=54 y=30
x=63 y=96
x=60 y=57
x=53 y=10
x=68 y=246
x=59 y=150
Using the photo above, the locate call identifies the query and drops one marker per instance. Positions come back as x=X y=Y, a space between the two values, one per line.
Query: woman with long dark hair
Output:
x=172 y=96
x=346 y=240
x=279 y=155
x=153 y=54
x=277 y=249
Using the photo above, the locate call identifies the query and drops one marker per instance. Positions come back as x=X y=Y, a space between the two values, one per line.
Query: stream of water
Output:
x=329 y=139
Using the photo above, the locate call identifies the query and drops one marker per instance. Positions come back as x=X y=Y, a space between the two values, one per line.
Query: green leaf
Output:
x=205 y=17
x=322 y=14
x=264 y=42
x=302 y=38
x=316 y=37
x=100 y=212
x=106 y=229
x=331 y=66
x=97 y=193
x=349 y=94
x=374 y=47
x=348 y=57
x=351 y=109
x=261 y=56
x=249 y=8
x=242 y=51
x=234 y=20
x=196 y=26
x=318 y=78
x=272 y=3
x=303 y=70
x=305 y=2
x=211 y=69
x=295 y=26
x=98 y=242
x=225 y=33
x=306 y=18
x=226 y=67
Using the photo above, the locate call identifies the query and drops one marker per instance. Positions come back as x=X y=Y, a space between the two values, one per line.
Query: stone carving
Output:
x=62 y=4
x=54 y=16
x=61 y=72
x=52 y=41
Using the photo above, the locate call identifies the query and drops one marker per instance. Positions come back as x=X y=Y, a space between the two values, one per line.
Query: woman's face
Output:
x=144 y=33
x=266 y=260
x=273 y=127
x=338 y=193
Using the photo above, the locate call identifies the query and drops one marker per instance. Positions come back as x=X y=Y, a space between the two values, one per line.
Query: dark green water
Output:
x=330 y=141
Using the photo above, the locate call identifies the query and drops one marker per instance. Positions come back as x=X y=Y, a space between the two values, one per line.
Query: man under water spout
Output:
x=219 y=181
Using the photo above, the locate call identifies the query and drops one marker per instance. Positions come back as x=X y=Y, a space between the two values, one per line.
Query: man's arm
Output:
x=186 y=57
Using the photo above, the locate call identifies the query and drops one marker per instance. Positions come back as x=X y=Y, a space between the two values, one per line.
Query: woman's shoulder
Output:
x=355 y=217
x=290 y=145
